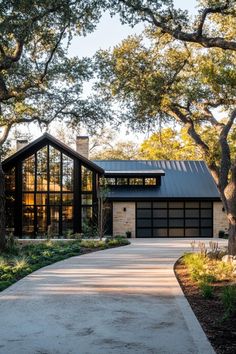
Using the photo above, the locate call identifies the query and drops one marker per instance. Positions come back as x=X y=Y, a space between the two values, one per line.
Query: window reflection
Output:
x=150 y=181
x=42 y=180
x=10 y=197
x=87 y=216
x=67 y=219
x=28 y=173
x=136 y=181
x=10 y=184
x=87 y=199
x=54 y=169
x=67 y=173
x=122 y=181
x=67 y=198
x=41 y=220
x=87 y=178
x=54 y=198
x=28 y=220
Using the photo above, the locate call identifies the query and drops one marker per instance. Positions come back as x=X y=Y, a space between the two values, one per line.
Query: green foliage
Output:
x=160 y=81
x=36 y=255
x=89 y=230
x=205 y=269
x=223 y=271
x=120 y=151
x=206 y=290
x=228 y=298
x=40 y=80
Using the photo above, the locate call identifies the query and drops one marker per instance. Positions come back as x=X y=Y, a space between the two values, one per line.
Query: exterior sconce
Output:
x=124 y=209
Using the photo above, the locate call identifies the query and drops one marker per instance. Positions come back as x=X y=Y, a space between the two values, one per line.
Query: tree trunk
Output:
x=230 y=196
x=232 y=238
x=2 y=209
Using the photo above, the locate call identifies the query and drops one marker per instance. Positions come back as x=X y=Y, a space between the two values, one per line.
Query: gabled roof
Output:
x=183 y=179
x=41 y=142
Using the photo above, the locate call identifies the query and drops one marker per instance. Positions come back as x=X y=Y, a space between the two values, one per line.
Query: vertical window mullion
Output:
x=35 y=190
x=48 y=189
x=60 y=205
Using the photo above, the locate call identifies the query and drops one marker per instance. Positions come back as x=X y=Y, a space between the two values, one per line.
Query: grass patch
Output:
x=20 y=261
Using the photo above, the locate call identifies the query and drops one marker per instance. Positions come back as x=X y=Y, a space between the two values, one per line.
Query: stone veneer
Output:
x=220 y=221
x=123 y=218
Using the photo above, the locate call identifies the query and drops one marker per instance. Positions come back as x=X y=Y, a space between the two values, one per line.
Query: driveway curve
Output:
x=119 y=301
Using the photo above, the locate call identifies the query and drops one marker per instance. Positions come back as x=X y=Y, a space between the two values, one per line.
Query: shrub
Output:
x=228 y=298
x=223 y=271
x=20 y=263
x=221 y=234
x=205 y=269
x=206 y=290
x=195 y=263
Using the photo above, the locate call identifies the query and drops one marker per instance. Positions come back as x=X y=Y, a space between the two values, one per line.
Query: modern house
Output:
x=50 y=186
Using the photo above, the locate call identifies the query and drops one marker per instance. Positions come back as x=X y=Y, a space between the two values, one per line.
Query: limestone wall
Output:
x=219 y=219
x=123 y=218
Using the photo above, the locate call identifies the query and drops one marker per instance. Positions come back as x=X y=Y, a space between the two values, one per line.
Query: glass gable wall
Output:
x=50 y=193
x=47 y=193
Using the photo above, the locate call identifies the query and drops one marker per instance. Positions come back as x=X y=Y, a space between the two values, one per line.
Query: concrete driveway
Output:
x=123 y=300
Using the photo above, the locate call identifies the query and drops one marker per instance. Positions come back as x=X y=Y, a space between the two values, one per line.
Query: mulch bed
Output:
x=221 y=333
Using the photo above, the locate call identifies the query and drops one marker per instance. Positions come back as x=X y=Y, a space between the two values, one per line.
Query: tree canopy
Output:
x=158 y=80
x=39 y=81
x=213 y=26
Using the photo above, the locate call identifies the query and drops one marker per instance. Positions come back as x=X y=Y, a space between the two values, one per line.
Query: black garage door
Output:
x=174 y=219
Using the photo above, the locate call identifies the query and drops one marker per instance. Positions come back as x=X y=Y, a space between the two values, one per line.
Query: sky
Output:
x=109 y=33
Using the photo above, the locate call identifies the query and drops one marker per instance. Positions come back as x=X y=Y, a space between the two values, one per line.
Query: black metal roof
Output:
x=183 y=179
x=42 y=141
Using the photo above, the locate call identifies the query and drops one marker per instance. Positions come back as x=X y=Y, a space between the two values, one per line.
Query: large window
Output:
x=10 y=198
x=48 y=193
x=86 y=197
x=131 y=181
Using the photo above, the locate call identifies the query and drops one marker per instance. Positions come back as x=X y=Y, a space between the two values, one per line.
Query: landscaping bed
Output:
x=21 y=260
x=210 y=288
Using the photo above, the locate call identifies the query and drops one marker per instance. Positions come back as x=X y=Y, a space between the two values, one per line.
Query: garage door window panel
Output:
x=144 y=223
x=160 y=232
x=144 y=213
x=176 y=213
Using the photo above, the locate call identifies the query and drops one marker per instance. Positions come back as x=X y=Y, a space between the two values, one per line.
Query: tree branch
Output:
x=189 y=124
x=52 y=54
x=206 y=12
x=177 y=33
x=225 y=164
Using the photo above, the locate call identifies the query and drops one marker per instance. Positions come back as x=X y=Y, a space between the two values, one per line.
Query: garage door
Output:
x=174 y=219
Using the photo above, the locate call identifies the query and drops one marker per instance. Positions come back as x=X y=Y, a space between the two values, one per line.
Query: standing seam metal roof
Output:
x=183 y=179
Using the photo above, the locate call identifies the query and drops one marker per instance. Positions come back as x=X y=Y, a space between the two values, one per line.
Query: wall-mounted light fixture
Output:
x=223 y=209
x=124 y=209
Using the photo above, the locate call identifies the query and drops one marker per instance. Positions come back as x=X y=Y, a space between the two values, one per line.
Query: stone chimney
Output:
x=20 y=143
x=82 y=146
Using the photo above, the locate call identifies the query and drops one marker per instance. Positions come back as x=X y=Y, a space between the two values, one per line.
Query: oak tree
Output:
x=39 y=81
x=160 y=80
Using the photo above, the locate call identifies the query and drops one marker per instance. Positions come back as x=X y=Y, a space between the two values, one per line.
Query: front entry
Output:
x=174 y=219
